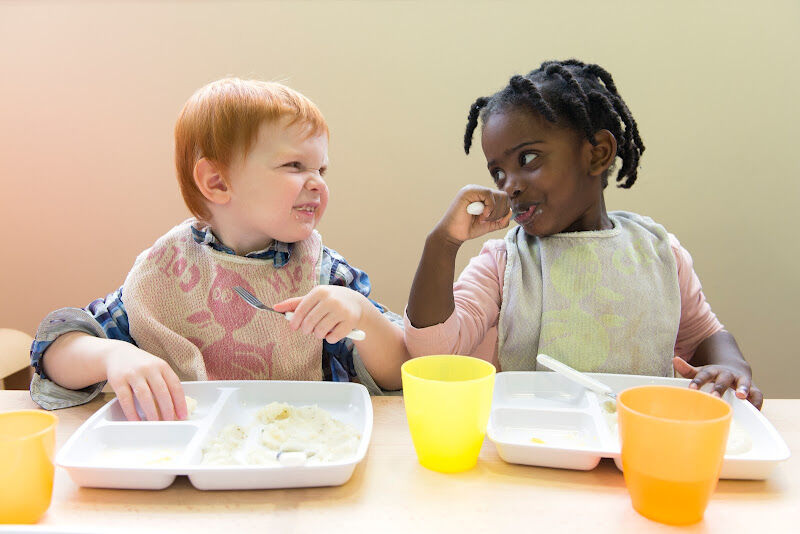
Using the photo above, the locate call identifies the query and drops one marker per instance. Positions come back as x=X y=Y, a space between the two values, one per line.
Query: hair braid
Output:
x=573 y=94
x=472 y=121
x=578 y=103
x=524 y=86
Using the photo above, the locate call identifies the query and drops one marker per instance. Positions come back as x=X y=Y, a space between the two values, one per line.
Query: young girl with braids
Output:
x=609 y=292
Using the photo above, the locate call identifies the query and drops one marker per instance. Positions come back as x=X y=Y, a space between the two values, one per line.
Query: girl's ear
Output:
x=210 y=182
x=603 y=153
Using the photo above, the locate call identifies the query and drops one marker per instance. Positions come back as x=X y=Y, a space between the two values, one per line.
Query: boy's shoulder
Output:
x=179 y=232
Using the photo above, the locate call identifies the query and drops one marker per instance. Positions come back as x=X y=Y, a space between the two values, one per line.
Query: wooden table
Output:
x=391 y=492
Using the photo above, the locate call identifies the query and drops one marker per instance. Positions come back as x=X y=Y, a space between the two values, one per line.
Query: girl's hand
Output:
x=722 y=377
x=326 y=312
x=458 y=226
x=135 y=374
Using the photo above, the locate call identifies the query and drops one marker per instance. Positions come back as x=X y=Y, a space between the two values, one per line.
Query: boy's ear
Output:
x=209 y=181
x=603 y=153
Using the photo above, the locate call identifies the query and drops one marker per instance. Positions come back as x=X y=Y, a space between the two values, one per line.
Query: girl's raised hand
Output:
x=458 y=226
x=722 y=377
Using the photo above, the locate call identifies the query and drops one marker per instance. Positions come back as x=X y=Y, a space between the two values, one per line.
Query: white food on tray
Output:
x=541 y=418
x=280 y=427
x=739 y=441
x=108 y=451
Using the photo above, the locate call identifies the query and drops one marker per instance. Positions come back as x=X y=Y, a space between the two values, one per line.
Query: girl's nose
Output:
x=512 y=188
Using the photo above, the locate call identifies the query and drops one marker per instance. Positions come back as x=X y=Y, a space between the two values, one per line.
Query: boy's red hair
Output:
x=223 y=118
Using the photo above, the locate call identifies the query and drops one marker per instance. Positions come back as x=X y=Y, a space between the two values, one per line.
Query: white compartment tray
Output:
x=108 y=451
x=544 y=419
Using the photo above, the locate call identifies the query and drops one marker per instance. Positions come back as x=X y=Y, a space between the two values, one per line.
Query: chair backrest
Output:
x=15 y=347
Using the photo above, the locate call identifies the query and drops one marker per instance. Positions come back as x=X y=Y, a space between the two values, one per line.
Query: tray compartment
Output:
x=567 y=439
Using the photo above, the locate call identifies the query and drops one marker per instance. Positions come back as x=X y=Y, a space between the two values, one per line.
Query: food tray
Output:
x=544 y=419
x=108 y=451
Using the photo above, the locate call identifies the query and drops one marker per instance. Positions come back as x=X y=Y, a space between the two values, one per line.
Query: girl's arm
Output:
x=431 y=301
x=718 y=360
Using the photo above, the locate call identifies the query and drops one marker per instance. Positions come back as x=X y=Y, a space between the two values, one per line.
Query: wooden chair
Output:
x=15 y=359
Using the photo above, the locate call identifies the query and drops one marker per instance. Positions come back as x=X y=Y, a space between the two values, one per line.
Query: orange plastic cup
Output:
x=673 y=442
x=448 y=399
x=27 y=443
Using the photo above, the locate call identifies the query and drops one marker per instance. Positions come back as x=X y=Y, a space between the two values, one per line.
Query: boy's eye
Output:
x=295 y=165
x=498 y=175
x=526 y=158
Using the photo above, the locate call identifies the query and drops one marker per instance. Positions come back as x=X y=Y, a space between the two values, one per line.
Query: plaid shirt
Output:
x=337 y=358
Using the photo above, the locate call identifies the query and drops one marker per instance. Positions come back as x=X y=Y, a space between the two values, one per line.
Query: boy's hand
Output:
x=722 y=377
x=134 y=373
x=458 y=226
x=326 y=312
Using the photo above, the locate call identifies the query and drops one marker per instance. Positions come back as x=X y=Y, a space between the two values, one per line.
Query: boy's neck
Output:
x=241 y=244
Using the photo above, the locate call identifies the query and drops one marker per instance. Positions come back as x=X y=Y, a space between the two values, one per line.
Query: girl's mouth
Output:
x=523 y=215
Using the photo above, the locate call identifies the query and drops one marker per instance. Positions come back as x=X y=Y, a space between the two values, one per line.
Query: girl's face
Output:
x=545 y=171
x=278 y=190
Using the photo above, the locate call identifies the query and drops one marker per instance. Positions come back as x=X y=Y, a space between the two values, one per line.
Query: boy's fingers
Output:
x=177 y=394
x=287 y=305
x=338 y=333
x=324 y=326
x=162 y=397
x=142 y=393
x=312 y=319
x=125 y=399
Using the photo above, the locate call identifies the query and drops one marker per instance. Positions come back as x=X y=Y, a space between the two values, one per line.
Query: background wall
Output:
x=89 y=92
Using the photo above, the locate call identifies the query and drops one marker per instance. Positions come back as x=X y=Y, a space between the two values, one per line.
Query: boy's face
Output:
x=277 y=190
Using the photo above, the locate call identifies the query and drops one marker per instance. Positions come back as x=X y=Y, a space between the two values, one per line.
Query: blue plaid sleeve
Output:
x=104 y=316
x=338 y=357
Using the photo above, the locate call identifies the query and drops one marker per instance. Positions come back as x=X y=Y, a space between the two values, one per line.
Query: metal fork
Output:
x=252 y=300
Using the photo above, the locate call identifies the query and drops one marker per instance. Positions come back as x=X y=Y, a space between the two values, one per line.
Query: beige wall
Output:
x=89 y=92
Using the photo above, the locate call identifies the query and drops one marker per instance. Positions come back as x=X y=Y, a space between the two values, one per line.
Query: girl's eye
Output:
x=526 y=158
x=498 y=176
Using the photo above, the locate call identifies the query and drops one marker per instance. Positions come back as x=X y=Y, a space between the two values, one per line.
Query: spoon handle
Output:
x=576 y=376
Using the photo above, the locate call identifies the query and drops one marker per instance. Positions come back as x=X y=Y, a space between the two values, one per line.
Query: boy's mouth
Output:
x=310 y=208
x=524 y=214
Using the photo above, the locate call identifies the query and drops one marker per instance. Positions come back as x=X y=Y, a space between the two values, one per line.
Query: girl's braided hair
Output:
x=575 y=94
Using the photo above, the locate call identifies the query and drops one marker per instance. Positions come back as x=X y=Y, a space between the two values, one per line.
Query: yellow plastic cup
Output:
x=27 y=443
x=448 y=399
x=673 y=443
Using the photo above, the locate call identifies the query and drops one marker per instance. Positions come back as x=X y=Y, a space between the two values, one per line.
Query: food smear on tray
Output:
x=280 y=428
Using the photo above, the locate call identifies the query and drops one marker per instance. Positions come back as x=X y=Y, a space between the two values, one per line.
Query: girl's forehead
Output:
x=507 y=128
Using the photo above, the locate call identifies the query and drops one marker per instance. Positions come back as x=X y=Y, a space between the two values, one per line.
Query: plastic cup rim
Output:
x=727 y=415
x=493 y=372
x=53 y=422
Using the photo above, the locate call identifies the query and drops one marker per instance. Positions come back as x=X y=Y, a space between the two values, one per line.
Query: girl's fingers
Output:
x=142 y=393
x=722 y=382
x=755 y=397
x=684 y=368
x=162 y=396
x=701 y=377
x=125 y=399
x=742 y=386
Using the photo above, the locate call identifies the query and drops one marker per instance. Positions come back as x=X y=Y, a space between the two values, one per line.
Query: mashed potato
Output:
x=280 y=427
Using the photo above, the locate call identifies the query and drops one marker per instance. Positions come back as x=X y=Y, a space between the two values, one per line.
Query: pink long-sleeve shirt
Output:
x=472 y=327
